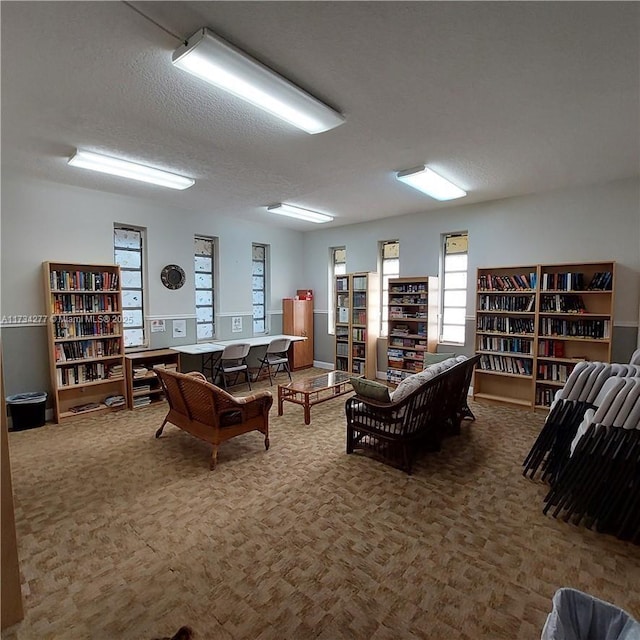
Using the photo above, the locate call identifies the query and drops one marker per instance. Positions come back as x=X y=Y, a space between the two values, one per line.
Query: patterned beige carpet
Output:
x=122 y=536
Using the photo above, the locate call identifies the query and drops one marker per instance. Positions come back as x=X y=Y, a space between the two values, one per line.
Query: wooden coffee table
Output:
x=310 y=391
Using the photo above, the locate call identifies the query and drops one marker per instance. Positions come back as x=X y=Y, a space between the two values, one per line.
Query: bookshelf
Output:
x=535 y=322
x=86 y=346
x=413 y=325
x=357 y=323
x=143 y=386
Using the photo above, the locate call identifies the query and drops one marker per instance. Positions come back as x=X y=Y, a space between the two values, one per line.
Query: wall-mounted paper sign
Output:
x=236 y=324
x=158 y=326
x=179 y=328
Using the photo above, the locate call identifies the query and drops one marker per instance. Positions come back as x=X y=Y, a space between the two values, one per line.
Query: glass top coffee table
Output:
x=310 y=391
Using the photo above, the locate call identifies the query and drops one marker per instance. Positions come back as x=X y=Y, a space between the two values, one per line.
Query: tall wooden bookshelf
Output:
x=357 y=323
x=534 y=323
x=86 y=345
x=412 y=325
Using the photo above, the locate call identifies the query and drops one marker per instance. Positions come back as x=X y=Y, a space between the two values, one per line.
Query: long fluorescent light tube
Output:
x=429 y=182
x=126 y=169
x=218 y=62
x=299 y=213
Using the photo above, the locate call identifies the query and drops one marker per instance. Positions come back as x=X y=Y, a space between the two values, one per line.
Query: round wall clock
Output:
x=172 y=276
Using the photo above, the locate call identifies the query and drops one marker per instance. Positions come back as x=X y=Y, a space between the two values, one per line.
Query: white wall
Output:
x=578 y=225
x=45 y=221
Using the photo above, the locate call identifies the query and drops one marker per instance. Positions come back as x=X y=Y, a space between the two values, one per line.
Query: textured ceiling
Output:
x=504 y=98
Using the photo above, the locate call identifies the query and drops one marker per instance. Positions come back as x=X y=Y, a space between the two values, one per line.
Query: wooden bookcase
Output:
x=86 y=345
x=297 y=320
x=412 y=325
x=357 y=323
x=143 y=386
x=535 y=322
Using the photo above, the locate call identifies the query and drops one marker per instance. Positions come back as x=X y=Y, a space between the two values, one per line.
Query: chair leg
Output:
x=214 y=457
x=248 y=376
x=266 y=443
x=269 y=372
x=159 y=431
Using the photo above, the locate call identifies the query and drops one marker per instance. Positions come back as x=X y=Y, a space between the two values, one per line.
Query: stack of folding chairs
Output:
x=589 y=449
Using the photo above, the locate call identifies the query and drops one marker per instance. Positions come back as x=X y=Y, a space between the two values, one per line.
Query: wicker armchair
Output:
x=210 y=413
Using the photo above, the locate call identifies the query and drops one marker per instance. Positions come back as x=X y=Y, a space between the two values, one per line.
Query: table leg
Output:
x=280 y=401
x=307 y=413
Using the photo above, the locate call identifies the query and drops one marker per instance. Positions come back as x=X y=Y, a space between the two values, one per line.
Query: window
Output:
x=389 y=268
x=259 y=287
x=204 y=255
x=128 y=252
x=454 y=287
x=337 y=267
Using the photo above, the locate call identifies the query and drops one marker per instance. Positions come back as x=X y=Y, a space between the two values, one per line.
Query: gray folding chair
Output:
x=276 y=356
x=233 y=361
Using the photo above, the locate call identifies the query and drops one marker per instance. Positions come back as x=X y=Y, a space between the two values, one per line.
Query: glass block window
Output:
x=337 y=267
x=455 y=247
x=259 y=266
x=128 y=251
x=389 y=268
x=204 y=255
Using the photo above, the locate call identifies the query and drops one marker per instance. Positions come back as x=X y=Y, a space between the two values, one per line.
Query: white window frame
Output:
x=213 y=245
x=453 y=244
x=127 y=326
x=389 y=267
x=264 y=288
x=337 y=267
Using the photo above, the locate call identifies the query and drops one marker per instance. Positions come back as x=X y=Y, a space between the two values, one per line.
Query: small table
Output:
x=310 y=391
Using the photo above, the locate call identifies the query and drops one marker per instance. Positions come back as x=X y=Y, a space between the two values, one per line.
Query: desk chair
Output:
x=276 y=356
x=233 y=360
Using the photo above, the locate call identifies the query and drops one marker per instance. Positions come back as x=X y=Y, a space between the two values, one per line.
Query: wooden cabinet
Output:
x=357 y=308
x=143 y=386
x=412 y=325
x=297 y=320
x=535 y=322
x=86 y=346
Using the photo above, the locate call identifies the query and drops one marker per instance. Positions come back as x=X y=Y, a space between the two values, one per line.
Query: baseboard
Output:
x=323 y=365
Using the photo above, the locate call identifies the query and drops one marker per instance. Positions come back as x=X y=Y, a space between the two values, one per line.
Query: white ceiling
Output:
x=504 y=98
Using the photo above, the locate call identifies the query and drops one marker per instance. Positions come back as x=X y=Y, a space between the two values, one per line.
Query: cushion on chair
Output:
x=409 y=384
x=434 y=358
x=371 y=389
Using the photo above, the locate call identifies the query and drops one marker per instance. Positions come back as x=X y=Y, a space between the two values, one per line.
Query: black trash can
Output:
x=27 y=410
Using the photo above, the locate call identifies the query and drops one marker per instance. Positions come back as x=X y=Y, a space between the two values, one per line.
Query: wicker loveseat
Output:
x=210 y=413
x=431 y=410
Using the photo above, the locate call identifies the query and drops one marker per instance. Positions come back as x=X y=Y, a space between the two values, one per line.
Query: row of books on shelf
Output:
x=396 y=341
x=90 y=372
x=562 y=303
x=359 y=299
x=359 y=334
x=359 y=283
x=413 y=366
x=358 y=351
x=74 y=327
x=569 y=281
x=506 y=364
x=401 y=313
x=515 y=345
x=406 y=299
x=112 y=401
x=409 y=287
x=506 y=303
x=401 y=330
x=575 y=328
x=78 y=302
x=141 y=401
x=551 y=348
x=342 y=284
x=359 y=316
x=82 y=349
x=553 y=371
x=544 y=396
x=505 y=324
x=513 y=282
x=83 y=280
x=401 y=354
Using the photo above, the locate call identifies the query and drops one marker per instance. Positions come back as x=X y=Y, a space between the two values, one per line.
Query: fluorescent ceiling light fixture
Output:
x=218 y=62
x=126 y=169
x=299 y=213
x=429 y=182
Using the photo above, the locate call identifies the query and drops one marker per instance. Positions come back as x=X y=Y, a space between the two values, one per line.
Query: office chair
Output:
x=276 y=356
x=233 y=360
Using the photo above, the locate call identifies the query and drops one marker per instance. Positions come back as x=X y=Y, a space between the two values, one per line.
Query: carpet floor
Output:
x=122 y=536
